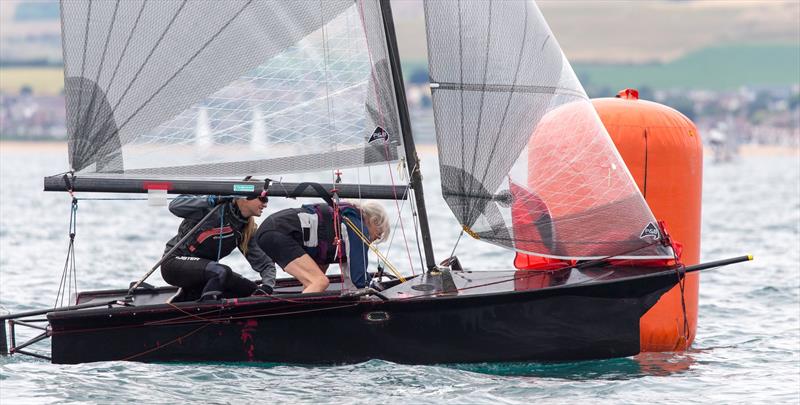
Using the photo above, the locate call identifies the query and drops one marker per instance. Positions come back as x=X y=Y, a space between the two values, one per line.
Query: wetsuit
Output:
x=291 y=233
x=194 y=266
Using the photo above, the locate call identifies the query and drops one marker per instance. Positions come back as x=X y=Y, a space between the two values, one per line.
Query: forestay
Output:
x=226 y=88
x=511 y=174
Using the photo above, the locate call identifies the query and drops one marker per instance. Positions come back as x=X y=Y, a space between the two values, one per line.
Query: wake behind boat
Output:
x=321 y=87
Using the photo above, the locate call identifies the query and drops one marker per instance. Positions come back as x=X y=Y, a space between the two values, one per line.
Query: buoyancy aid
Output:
x=319 y=235
x=217 y=237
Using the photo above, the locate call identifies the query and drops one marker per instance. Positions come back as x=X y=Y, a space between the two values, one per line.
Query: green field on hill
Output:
x=718 y=68
x=43 y=81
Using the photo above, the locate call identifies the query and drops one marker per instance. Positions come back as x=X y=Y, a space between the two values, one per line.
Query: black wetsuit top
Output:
x=218 y=235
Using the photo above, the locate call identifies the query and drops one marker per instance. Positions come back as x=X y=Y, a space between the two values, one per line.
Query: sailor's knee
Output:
x=221 y=271
x=321 y=280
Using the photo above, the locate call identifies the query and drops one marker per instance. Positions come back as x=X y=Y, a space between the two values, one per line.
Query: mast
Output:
x=405 y=127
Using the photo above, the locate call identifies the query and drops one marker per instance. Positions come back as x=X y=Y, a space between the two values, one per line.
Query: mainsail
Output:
x=511 y=174
x=177 y=88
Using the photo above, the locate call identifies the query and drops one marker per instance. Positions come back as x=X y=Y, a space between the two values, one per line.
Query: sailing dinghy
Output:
x=171 y=97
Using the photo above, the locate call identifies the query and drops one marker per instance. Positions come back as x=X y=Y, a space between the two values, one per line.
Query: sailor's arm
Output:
x=195 y=207
x=261 y=263
x=357 y=254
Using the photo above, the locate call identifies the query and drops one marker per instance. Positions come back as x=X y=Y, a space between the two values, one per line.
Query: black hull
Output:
x=594 y=320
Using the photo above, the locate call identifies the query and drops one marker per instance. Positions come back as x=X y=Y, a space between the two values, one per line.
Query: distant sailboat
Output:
x=203 y=139
x=496 y=71
x=258 y=132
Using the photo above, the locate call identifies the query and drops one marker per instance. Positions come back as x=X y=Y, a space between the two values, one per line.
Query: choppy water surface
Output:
x=747 y=347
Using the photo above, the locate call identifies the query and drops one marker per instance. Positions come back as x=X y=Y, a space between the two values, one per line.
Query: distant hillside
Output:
x=627 y=31
x=589 y=31
x=662 y=44
x=42 y=81
x=717 y=68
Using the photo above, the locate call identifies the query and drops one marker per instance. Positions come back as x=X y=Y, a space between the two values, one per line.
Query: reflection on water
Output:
x=642 y=365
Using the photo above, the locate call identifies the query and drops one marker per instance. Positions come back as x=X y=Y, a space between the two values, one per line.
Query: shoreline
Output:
x=747 y=150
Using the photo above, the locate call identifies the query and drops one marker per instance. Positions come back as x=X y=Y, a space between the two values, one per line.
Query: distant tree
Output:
x=759 y=104
x=606 y=91
x=26 y=90
x=794 y=101
x=646 y=92
x=418 y=76
x=426 y=101
x=712 y=109
x=683 y=104
x=583 y=77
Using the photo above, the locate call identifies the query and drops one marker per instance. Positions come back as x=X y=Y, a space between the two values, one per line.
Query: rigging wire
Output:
x=381 y=123
x=326 y=60
x=373 y=248
x=361 y=217
x=680 y=272
x=460 y=234
x=221 y=228
x=415 y=220
x=69 y=276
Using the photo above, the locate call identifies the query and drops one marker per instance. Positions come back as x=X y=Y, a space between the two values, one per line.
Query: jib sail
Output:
x=512 y=175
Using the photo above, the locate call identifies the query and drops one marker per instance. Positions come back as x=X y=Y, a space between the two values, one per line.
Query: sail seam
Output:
x=508 y=103
x=505 y=88
x=139 y=71
x=119 y=61
x=83 y=59
x=461 y=97
x=480 y=107
x=99 y=72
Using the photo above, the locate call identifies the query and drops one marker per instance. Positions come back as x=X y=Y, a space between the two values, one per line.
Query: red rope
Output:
x=159 y=347
x=261 y=313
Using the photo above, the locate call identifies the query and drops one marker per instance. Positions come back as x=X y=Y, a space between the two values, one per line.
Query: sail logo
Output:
x=650 y=231
x=378 y=135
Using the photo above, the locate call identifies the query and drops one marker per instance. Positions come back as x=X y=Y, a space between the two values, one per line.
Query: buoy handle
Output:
x=628 y=94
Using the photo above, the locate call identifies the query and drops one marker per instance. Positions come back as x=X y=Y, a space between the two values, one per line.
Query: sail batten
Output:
x=511 y=174
x=147 y=80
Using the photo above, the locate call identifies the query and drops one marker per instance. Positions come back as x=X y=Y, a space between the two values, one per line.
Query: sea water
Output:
x=747 y=348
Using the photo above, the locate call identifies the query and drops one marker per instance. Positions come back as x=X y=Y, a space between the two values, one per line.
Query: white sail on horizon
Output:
x=258 y=132
x=203 y=139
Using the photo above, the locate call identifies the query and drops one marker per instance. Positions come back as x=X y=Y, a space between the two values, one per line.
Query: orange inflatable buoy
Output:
x=664 y=153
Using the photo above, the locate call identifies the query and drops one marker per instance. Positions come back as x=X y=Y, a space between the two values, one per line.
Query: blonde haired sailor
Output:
x=303 y=241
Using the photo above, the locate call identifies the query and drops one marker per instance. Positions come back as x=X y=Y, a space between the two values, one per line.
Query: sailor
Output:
x=195 y=266
x=304 y=241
